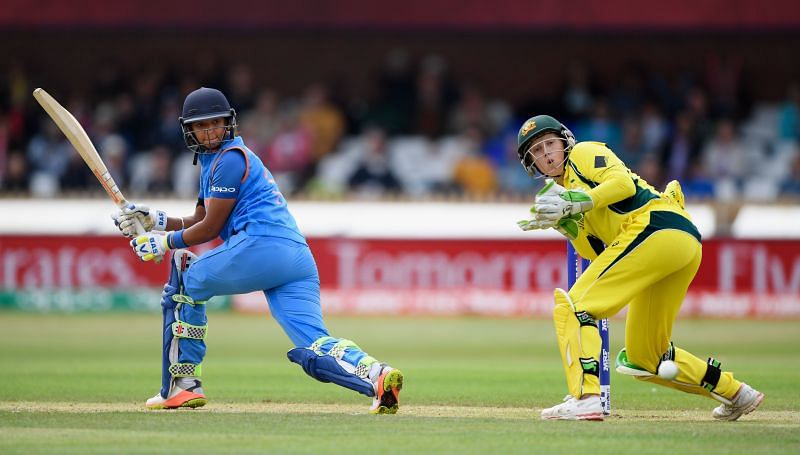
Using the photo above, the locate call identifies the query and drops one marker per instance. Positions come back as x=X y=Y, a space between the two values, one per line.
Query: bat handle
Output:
x=139 y=228
x=136 y=223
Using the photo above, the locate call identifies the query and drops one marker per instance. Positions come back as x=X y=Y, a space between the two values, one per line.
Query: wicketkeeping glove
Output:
x=530 y=225
x=570 y=226
x=150 y=246
x=554 y=202
x=152 y=220
x=534 y=223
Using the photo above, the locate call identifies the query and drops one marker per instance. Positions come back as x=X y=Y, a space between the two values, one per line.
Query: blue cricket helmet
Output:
x=205 y=104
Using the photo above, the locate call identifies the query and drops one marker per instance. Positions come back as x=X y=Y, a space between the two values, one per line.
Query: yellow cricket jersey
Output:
x=617 y=193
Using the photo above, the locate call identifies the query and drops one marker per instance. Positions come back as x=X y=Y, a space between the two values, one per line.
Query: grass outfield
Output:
x=77 y=384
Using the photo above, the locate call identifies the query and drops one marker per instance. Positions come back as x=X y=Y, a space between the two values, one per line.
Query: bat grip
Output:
x=136 y=223
x=139 y=228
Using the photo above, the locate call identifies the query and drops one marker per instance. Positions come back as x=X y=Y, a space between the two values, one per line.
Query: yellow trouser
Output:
x=649 y=268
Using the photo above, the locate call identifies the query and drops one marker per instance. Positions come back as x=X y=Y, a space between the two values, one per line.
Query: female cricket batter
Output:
x=644 y=251
x=262 y=250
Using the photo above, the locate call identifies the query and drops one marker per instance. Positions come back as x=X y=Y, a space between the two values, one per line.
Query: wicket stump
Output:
x=575 y=266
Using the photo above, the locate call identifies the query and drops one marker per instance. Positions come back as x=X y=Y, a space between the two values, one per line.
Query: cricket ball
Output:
x=668 y=370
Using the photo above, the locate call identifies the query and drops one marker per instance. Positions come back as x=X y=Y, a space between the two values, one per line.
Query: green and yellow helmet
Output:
x=536 y=126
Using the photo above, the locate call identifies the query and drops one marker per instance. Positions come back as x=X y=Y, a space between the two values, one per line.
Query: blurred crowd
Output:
x=422 y=130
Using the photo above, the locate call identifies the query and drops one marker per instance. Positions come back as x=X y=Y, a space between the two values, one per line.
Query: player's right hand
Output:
x=554 y=202
x=150 y=219
x=150 y=246
x=535 y=222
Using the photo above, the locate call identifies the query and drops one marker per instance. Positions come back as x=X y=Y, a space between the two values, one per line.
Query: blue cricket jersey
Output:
x=260 y=209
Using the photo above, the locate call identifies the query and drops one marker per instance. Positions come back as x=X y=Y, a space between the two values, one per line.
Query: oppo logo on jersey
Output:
x=223 y=189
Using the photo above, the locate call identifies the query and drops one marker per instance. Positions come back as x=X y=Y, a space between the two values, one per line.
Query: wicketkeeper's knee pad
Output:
x=579 y=343
x=185 y=326
x=338 y=361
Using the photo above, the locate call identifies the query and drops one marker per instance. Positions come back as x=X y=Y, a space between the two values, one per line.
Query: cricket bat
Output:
x=80 y=140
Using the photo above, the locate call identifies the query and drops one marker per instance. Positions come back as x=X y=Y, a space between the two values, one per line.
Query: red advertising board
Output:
x=495 y=277
x=737 y=278
x=67 y=262
x=730 y=266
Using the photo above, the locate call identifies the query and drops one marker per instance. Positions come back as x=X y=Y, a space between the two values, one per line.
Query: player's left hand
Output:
x=150 y=246
x=554 y=202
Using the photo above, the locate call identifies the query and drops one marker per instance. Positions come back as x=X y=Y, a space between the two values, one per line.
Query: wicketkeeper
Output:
x=644 y=252
x=262 y=250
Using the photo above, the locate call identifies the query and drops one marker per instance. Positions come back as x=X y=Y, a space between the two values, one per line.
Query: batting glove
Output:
x=150 y=246
x=554 y=202
x=151 y=220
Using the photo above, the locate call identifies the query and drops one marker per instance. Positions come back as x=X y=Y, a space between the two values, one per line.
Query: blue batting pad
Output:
x=325 y=368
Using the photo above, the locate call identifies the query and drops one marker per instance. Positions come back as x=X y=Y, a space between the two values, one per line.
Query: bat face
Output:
x=80 y=140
